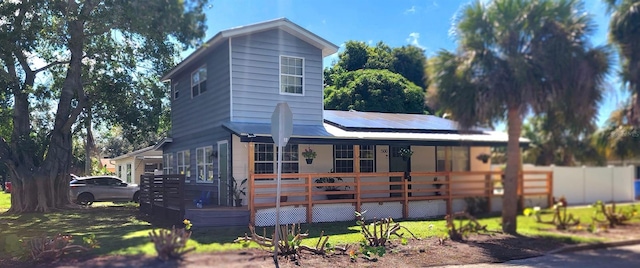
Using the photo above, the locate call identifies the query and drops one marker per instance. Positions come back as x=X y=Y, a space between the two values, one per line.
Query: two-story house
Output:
x=222 y=99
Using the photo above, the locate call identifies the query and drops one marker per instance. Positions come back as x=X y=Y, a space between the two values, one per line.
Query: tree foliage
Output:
x=374 y=91
x=516 y=56
x=94 y=59
x=407 y=62
x=624 y=33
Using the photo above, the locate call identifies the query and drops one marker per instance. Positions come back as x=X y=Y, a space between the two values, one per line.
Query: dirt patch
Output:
x=482 y=248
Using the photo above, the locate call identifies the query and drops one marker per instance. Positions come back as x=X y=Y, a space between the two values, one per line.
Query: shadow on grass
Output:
x=111 y=225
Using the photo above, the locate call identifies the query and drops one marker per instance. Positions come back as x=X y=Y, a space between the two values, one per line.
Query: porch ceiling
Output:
x=329 y=134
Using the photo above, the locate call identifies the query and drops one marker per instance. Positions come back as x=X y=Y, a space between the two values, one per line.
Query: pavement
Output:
x=602 y=256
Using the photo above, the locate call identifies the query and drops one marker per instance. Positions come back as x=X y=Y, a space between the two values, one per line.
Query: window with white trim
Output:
x=343 y=158
x=291 y=75
x=459 y=158
x=167 y=164
x=176 y=91
x=129 y=172
x=199 y=81
x=367 y=158
x=265 y=161
x=184 y=163
x=204 y=163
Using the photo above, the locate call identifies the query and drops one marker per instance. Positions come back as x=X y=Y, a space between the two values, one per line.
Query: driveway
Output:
x=619 y=257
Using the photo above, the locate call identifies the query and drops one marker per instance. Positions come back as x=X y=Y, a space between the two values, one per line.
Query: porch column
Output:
x=356 y=170
x=251 y=184
x=447 y=168
x=550 y=188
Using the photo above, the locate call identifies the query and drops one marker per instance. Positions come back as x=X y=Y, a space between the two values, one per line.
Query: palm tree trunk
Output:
x=510 y=197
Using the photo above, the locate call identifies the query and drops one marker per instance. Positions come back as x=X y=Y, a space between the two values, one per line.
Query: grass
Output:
x=119 y=229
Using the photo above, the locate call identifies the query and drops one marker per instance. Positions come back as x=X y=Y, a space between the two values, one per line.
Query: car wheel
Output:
x=85 y=199
x=136 y=197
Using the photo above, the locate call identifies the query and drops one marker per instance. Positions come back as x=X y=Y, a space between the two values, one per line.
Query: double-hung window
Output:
x=291 y=75
x=184 y=163
x=204 y=163
x=459 y=158
x=176 y=91
x=199 y=81
x=265 y=161
x=167 y=164
x=343 y=158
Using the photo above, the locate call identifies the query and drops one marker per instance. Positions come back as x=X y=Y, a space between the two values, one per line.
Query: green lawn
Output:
x=119 y=231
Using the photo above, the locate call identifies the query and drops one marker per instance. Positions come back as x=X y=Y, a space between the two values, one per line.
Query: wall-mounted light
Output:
x=251 y=135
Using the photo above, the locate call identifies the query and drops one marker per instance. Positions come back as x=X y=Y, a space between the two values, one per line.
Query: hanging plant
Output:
x=484 y=157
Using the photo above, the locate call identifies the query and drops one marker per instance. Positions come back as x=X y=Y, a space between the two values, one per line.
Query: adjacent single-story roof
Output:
x=284 y=24
x=147 y=152
x=372 y=128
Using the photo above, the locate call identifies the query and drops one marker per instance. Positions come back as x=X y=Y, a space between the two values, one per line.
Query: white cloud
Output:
x=370 y=42
x=413 y=39
x=411 y=10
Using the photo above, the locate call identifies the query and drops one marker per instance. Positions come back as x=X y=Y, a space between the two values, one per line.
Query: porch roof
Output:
x=330 y=134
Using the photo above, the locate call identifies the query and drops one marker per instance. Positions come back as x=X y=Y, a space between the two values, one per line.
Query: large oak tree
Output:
x=59 y=58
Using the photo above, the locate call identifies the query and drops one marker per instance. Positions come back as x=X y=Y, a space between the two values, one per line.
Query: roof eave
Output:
x=325 y=46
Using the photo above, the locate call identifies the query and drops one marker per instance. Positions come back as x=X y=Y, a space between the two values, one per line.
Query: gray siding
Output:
x=197 y=122
x=256 y=88
x=208 y=137
x=209 y=109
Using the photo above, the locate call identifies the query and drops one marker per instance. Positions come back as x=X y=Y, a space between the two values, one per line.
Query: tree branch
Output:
x=50 y=65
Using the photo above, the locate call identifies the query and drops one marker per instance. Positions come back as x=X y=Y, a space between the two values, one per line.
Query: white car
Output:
x=86 y=190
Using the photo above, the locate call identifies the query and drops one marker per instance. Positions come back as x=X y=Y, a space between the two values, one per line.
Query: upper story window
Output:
x=291 y=75
x=199 y=81
x=176 y=91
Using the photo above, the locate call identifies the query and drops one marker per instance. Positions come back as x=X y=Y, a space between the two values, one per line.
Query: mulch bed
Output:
x=479 y=248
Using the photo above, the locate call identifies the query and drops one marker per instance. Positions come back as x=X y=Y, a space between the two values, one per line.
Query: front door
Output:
x=397 y=164
x=223 y=173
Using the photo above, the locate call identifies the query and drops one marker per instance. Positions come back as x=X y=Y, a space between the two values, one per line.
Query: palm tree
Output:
x=516 y=56
x=624 y=32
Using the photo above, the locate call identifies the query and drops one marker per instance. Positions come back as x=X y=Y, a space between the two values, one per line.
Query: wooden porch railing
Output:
x=417 y=186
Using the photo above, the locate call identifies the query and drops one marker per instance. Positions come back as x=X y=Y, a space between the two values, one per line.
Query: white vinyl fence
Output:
x=586 y=185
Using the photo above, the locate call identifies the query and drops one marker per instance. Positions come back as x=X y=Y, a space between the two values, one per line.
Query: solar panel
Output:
x=373 y=121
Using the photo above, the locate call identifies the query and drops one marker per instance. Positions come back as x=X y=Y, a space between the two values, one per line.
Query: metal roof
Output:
x=328 y=133
x=392 y=122
x=264 y=129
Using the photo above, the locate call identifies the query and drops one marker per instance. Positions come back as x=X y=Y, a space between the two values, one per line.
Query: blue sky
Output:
x=425 y=23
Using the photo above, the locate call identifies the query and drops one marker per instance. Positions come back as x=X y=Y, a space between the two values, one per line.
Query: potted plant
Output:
x=238 y=190
x=309 y=155
x=484 y=157
x=333 y=187
x=406 y=153
x=437 y=185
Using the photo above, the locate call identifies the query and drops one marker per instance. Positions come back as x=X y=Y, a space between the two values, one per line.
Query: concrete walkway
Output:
x=618 y=257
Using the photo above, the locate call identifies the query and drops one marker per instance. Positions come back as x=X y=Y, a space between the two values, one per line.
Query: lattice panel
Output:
x=386 y=210
x=427 y=209
x=536 y=200
x=288 y=215
x=496 y=204
x=458 y=205
x=333 y=212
